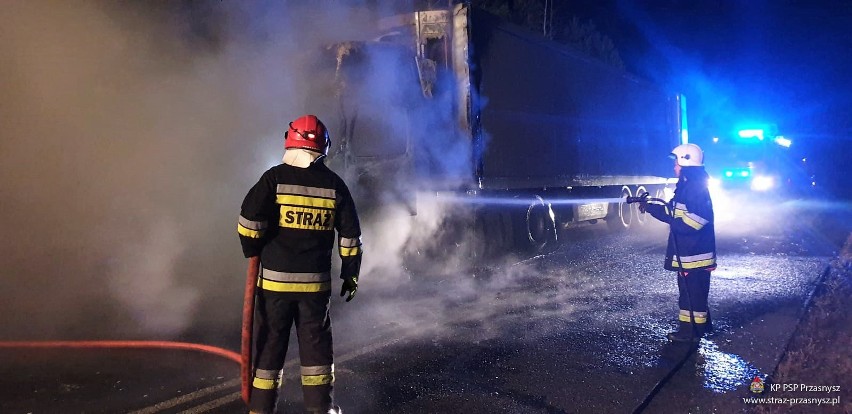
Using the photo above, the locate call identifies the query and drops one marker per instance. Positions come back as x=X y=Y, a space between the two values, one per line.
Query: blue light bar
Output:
x=736 y=173
x=784 y=142
x=751 y=133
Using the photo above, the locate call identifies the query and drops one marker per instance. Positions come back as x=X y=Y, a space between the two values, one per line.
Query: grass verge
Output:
x=820 y=351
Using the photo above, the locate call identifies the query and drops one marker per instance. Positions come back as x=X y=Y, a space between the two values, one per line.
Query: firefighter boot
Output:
x=333 y=410
x=684 y=333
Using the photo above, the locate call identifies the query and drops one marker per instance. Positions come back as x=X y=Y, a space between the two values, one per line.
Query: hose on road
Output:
x=659 y=386
x=692 y=346
x=233 y=356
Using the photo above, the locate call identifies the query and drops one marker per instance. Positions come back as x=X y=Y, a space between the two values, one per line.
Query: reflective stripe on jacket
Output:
x=289 y=219
x=690 y=217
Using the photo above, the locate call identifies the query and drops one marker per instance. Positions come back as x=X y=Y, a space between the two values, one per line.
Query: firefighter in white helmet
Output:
x=289 y=219
x=691 y=250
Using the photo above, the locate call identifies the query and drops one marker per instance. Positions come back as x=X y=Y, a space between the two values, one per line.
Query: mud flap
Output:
x=248 y=327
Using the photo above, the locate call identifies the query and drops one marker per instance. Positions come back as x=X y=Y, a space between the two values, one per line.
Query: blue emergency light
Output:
x=751 y=133
x=784 y=142
x=737 y=173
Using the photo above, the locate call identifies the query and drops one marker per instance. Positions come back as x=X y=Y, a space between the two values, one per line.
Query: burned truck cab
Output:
x=395 y=108
x=513 y=136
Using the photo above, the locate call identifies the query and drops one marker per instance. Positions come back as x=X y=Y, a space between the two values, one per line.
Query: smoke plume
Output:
x=131 y=132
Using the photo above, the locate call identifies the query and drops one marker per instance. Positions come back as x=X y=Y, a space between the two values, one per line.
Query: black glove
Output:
x=350 y=285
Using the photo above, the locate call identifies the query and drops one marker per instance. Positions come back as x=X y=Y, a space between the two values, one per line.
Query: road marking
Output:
x=207 y=406
x=203 y=408
x=188 y=397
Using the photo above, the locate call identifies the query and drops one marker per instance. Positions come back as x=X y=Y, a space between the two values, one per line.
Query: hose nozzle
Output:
x=641 y=198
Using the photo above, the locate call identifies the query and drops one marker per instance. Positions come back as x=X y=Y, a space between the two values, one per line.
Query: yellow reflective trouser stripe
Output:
x=254 y=234
x=323 y=379
x=293 y=287
x=350 y=251
x=695 y=265
x=685 y=318
x=264 y=384
x=700 y=317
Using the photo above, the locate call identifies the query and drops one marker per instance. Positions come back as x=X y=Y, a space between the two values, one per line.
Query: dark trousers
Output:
x=694 y=289
x=276 y=314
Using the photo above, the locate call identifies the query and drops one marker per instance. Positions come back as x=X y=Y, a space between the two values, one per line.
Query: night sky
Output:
x=785 y=62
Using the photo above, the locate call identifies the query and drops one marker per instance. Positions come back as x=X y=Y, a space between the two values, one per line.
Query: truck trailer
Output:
x=522 y=136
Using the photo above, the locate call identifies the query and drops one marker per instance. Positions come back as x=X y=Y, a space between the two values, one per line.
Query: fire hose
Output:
x=124 y=344
x=248 y=327
x=244 y=358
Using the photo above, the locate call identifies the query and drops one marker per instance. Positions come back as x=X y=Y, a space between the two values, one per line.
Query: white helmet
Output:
x=688 y=155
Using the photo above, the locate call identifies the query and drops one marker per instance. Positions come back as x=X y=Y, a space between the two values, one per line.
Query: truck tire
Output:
x=640 y=218
x=621 y=216
x=539 y=227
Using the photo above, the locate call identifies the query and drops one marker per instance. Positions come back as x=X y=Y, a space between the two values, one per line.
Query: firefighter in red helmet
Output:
x=289 y=219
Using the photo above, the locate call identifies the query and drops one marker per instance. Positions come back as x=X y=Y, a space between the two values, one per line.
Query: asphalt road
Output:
x=579 y=330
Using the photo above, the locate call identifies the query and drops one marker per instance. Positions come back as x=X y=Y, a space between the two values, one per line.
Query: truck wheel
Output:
x=641 y=218
x=540 y=227
x=622 y=215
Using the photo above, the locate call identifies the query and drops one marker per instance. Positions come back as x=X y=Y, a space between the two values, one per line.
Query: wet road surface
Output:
x=578 y=330
x=81 y=380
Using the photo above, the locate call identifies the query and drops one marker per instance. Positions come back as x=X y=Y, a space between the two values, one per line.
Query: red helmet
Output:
x=307 y=132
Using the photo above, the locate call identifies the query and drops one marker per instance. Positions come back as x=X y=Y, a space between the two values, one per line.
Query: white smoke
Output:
x=131 y=133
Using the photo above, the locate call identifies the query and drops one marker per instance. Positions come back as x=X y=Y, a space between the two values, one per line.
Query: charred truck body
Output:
x=523 y=136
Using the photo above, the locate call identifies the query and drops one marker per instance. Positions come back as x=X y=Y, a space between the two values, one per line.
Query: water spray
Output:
x=521 y=201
